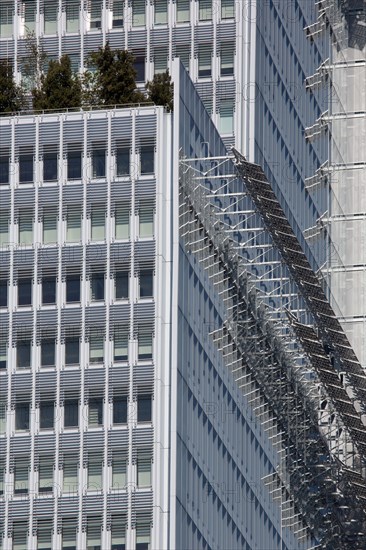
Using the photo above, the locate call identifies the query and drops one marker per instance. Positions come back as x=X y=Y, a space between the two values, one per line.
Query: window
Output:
x=145 y=346
x=21 y=472
x=72 y=15
x=98 y=160
x=4 y=168
x=73 y=288
x=73 y=225
x=139 y=66
x=72 y=351
x=183 y=11
x=93 y=533
x=119 y=467
x=24 y=292
x=4 y=228
x=146 y=221
x=227 y=9
x=74 y=165
x=49 y=290
x=98 y=224
x=25 y=229
x=95 y=470
x=122 y=221
x=119 y=409
x=142 y=536
x=147 y=159
x=96 y=14
x=46 y=415
x=120 y=344
x=97 y=286
x=160 y=60
x=183 y=52
x=95 y=412
x=26 y=168
x=205 y=10
x=30 y=15
x=69 y=537
x=24 y=354
x=71 y=413
x=161 y=12
x=45 y=474
x=96 y=348
x=6 y=19
x=121 y=285
x=146 y=283
x=204 y=60
x=226 y=116
x=50 y=17
x=44 y=534
x=2 y=431
x=47 y=353
x=50 y=227
x=3 y=354
x=70 y=471
x=118 y=532
x=227 y=59
x=3 y=293
x=138 y=13
x=143 y=468
x=117 y=14
x=50 y=167
x=22 y=416
x=123 y=161
x=144 y=408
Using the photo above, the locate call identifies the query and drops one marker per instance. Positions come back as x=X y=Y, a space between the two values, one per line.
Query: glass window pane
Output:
x=24 y=354
x=73 y=288
x=72 y=346
x=147 y=159
x=121 y=284
x=22 y=416
x=70 y=477
x=26 y=230
x=161 y=12
x=119 y=410
x=95 y=412
x=74 y=165
x=146 y=283
x=160 y=60
x=146 y=221
x=97 y=286
x=117 y=14
x=119 y=464
x=123 y=161
x=122 y=222
x=145 y=346
x=99 y=163
x=183 y=11
x=227 y=59
x=95 y=469
x=50 y=166
x=139 y=66
x=46 y=414
x=204 y=60
x=144 y=408
x=143 y=536
x=72 y=15
x=48 y=353
x=25 y=168
x=96 y=349
x=3 y=354
x=4 y=228
x=120 y=344
x=49 y=290
x=138 y=12
x=50 y=17
x=205 y=10
x=30 y=15
x=227 y=9
x=118 y=533
x=183 y=52
x=24 y=292
x=21 y=473
x=227 y=117
x=4 y=169
x=98 y=224
x=71 y=413
x=73 y=225
x=143 y=469
x=6 y=19
x=96 y=14
x=3 y=293
x=50 y=227
x=45 y=474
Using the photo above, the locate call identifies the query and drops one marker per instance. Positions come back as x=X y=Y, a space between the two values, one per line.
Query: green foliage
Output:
x=161 y=91
x=11 y=95
x=34 y=63
x=59 y=89
x=114 y=77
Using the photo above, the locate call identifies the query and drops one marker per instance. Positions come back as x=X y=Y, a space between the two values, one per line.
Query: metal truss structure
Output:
x=284 y=346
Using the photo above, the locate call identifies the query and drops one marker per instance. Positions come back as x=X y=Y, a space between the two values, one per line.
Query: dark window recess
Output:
x=95 y=412
x=144 y=408
x=97 y=286
x=73 y=288
x=22 y=416
x=123 y=162
x=74 y=165
x=47 y=353
x=71 y=413
x=72 y=351
x=99 y=163
x=147 y=159
x=139 y=66
x=25 y=168
x=49 y=290
x=24 y=354
x=50 y=166
x=120 y=410
x=121 y=282
x=4 y=170
x=46 y=414
x=146 y=284
x=3 y=293
x=24 y=292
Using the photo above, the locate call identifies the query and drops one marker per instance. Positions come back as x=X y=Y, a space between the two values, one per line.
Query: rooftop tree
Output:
x=11 y=95
x=160 y=90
